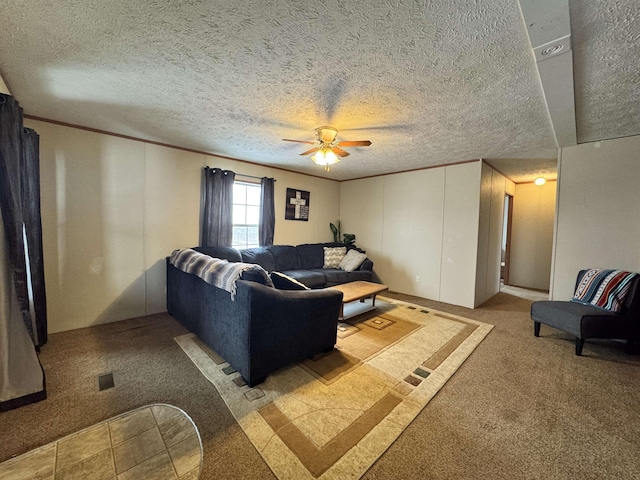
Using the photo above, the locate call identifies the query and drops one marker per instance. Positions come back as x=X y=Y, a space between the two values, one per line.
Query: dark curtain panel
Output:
x=217 y=219
x=267 y=212
x=33 y=228
x=11 y=199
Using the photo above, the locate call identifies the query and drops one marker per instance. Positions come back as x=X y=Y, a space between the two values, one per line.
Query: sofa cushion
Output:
x=568 y=316
x=333 y=256
x=311 y=278
x=260 y=255
x=335 y=276
x=285 y=257
x=226 y=253
x=285 y=282
x=311 y=255
x=352 y=260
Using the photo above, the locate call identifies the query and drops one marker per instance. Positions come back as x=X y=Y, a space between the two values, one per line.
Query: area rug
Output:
x=331 y=417
x=158 y=441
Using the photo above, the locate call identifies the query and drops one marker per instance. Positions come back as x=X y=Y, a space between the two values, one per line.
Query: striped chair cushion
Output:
x=603 y=288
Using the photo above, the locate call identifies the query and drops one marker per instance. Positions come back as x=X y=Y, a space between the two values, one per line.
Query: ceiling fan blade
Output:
x=309 y=151
x=297 y=141
x=340 y=152
x=355 y=143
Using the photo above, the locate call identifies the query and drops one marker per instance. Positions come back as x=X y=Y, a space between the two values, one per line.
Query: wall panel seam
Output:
x=382 y=252
x=555 y=228
x=444 y=203
x=144 y=229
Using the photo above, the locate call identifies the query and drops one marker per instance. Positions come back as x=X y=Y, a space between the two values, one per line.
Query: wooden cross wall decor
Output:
x=297 y=205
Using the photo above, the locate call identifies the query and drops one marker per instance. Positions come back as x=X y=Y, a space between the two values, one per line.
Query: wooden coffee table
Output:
x=359 y=290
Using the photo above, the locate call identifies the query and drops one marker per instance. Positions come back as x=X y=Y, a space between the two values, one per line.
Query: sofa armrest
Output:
x=296 y=306
x=289 y=325
x=226 y=253
x=366 y=266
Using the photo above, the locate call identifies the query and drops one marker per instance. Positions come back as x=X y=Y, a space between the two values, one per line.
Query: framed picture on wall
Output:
x=297 y=205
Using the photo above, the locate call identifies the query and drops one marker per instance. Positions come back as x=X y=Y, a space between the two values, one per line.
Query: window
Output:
x=246 y=214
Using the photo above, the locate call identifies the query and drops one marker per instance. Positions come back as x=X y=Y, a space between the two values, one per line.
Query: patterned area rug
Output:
x=332 y=416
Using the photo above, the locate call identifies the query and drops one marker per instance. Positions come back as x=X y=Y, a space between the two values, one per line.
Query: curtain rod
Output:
x=248 y=176
x=252 y=176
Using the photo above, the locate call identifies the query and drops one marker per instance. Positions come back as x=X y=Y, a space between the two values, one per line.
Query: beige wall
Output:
x=418 y=224
x=113 y=209
x=510 y=188
x=532 y=235
x=3 y=87
x=598 y=219
x=460 y=234
x=92 y=192
x=362 y=213
x=172 y=213
x=484 y=215
x=412 y=232
x=493 y=187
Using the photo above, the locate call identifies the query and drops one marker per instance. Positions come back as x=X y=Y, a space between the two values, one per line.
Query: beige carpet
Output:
x=532 y=295
x=331 y=417
x=521 y=408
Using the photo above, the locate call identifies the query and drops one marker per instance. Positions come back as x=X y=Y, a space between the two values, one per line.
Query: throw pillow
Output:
x=254 y=276
x=352 y=260
x=333 y=256
x=605 y=289
x=285 y=282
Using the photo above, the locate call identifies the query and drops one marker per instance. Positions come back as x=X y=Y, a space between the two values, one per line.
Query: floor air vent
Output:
x=105 y=381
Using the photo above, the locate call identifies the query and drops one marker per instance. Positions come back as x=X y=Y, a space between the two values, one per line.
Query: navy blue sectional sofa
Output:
x=263 y=328
x=303 y=262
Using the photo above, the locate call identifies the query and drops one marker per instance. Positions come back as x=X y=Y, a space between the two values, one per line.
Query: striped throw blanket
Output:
x=215 y=271
x=604 y=288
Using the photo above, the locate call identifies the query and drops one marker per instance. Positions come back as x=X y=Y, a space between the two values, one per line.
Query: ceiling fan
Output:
x=326 y=148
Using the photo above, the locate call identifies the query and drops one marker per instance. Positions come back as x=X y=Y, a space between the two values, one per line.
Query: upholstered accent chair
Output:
x=587 y=321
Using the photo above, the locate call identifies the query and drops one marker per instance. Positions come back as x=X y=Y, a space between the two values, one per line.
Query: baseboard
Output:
x=22 y=401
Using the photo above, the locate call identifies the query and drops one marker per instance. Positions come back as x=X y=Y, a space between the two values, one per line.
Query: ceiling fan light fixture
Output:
x=540 y=181
x=325 y=157
x=327 y=149
x=326 y=134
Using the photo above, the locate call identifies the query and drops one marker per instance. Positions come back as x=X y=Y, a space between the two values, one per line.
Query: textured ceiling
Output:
x=606 y=45
x=428 y=82
x=525 y=170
